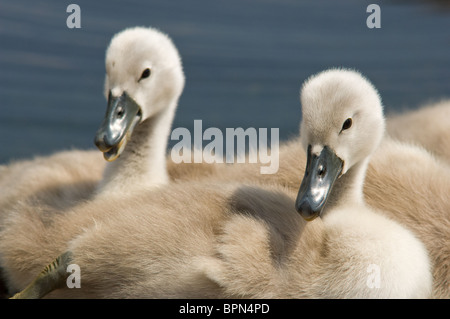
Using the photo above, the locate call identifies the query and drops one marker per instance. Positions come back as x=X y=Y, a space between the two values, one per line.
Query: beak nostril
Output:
x=321 y=170
x=120 y=113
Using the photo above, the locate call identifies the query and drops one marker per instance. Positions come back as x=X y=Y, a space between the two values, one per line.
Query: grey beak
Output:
x=122 y=116
x=320 y=175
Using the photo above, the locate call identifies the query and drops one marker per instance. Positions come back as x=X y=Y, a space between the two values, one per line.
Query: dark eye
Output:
x=145 y=74
x=347 y=124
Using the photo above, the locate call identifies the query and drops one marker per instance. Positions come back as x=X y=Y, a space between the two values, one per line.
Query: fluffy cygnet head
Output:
x=144 y=77
x=342 y=125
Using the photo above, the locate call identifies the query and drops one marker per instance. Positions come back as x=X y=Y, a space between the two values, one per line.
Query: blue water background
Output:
x=244 y=61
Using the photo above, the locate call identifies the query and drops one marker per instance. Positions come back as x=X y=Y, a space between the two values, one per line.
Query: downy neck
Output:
x=143 y=161
x=348 y=188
